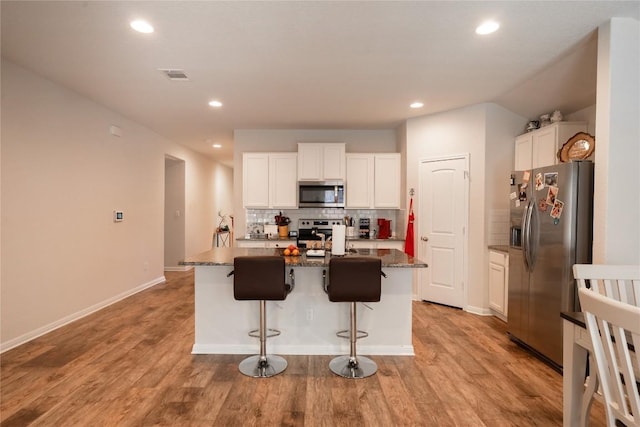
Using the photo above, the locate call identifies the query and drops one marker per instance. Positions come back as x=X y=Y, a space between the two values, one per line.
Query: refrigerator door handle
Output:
x=526 y=238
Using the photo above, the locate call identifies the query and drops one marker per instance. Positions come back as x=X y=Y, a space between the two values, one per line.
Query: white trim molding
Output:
x=22 y=339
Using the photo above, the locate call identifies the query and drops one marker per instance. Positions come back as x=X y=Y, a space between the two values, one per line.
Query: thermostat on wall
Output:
x=118 y=216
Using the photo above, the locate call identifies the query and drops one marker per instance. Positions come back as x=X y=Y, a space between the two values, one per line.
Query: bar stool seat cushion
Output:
x=354 y=279
x=259 y=278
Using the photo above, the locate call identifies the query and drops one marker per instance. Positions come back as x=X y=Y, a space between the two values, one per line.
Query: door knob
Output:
x=424 y=239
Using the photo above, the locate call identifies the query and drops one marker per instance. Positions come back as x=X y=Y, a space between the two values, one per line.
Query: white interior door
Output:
x=441 y=230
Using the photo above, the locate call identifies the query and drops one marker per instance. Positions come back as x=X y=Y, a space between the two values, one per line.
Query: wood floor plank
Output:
x=130 y=364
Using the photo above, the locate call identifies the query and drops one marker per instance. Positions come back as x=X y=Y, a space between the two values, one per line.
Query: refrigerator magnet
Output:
x=542 y=205
x=513 y=195
x=556 y=212
x=523 y=193
x=551 y=195
x=539 y=181
x=525 y=176
x=551 y=179
x=517 y=203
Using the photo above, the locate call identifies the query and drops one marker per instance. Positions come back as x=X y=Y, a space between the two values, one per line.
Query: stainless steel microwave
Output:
x=321 y=194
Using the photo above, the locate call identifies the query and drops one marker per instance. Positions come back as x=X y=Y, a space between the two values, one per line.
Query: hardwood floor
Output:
x=130 y=365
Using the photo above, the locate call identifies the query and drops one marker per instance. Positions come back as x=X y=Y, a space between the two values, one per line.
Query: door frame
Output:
x=465 y=240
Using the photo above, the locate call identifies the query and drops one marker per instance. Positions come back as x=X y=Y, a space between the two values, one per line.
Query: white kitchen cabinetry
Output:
x=376 y=244
x=283 y=185
x=263 y=243
x=540 y=147
x=255 y=180
x=386 y=186
x=498 y=282
x=373 y=181
x=321 y=161
x=359 y=182
x=250 y=244
x=269 y=180
x=279 y=243
x=391 y=244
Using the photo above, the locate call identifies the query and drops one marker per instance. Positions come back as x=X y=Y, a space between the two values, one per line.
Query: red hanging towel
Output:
x=408 y=241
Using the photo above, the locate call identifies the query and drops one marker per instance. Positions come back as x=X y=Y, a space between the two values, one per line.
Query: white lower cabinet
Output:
x=391 y=244
x=279 y=243
x=498 y=282
x=376 y=244
x=268 y=244
x=250 y=244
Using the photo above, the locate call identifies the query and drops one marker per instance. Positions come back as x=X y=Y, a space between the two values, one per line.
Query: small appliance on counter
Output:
x=312 y=233
x=384 y=228
x=364 y=227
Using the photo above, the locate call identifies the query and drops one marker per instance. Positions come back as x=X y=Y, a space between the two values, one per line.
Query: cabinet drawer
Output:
x=497 y=258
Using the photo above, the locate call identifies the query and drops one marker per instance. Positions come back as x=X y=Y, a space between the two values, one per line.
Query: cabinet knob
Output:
x=424 y=239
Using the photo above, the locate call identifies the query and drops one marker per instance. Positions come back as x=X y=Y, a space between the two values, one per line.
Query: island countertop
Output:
x=391 y=258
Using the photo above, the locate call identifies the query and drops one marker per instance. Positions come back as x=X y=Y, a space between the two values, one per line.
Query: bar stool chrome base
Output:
x=348 y=367
x=259 y=367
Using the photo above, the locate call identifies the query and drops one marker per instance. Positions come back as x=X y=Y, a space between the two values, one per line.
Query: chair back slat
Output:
x=614 y=328
x=620 y=282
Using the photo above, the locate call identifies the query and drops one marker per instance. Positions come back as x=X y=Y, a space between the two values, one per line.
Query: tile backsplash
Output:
x=257 y=218
x=498 y=227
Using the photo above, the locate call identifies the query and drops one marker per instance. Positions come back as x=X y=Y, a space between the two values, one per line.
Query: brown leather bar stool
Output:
x=354 y=279
x=261 y=278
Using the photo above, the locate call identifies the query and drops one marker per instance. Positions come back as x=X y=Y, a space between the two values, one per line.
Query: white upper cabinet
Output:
x=373 y=181
x=321 y=161
x=359 y=182
x=283 y=183
x=386 y=183
x=524 y=152
x=255 y=180
x=269 y=180
x=540 y=147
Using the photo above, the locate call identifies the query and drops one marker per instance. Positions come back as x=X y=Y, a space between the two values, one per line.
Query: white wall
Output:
x=174 y=223
x=286 y=140
x=616 y=237
x=476 y=130
x=63 y=174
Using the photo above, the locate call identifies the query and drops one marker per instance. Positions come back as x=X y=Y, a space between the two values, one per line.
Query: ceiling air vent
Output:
x=176 y=75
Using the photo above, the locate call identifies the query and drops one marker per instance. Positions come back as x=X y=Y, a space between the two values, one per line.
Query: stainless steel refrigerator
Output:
x=551 y=222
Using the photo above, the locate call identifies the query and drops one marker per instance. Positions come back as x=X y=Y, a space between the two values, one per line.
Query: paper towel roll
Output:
x=338 y=234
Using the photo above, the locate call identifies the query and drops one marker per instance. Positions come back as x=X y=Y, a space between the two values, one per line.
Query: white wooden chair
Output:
x=614 y=328
x=620 y=282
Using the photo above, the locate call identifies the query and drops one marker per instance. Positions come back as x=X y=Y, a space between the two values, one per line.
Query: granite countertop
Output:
x=349 y=239
x=391 y=258
x=271 y=239
x=499 y=248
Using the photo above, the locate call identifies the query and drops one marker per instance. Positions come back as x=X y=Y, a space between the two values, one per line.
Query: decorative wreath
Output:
x=578 y=147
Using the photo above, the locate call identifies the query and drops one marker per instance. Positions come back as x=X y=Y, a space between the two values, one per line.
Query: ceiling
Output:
x=309 y=64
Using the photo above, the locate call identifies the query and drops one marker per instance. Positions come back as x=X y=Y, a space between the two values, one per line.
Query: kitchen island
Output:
x=307 y=319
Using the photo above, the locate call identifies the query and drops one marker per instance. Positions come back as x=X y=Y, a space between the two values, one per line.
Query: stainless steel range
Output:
x=311 y=231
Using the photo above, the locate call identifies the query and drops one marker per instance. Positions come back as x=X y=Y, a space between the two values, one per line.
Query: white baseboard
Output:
x=75 y=316
x=334 y=350
x=478 y=310
x=179 y=268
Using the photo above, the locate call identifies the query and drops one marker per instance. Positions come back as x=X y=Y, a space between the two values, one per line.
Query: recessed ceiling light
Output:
x=217 y=146
x=216 y=104
x=487 y=27
x=416 y=104
x=141 y=26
